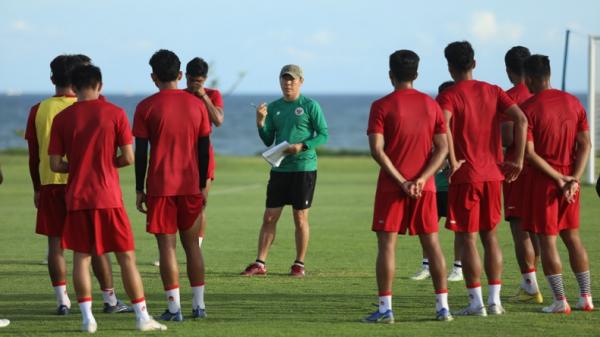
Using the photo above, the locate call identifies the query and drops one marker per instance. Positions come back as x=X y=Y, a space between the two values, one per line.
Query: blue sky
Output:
x=343 y=46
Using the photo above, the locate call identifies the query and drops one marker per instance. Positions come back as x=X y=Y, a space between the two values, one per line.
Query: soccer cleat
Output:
x=585 y=303
x=4 y=323
x=169 y=316
x=443 y=315
x=62 y=310
x=254 y=269
x=470 y=311
x=90 y=326
x=377 y=317
x=455 y=275
x=524 y=297
x=422 y=274
x=495 y=309
x=149 y=325
x=198 y=313
x=297 y=270
x=118 y=308
x=558 y=307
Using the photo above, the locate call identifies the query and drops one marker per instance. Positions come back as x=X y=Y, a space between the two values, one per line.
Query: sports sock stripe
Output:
x=584 y=281
x=556 y=284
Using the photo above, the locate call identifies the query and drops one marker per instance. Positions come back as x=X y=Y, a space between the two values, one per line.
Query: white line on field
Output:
x=234 y=189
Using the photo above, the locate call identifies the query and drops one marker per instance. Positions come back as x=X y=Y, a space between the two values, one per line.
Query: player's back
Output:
x=173 y=121
x=476 y=109
x=555 y=117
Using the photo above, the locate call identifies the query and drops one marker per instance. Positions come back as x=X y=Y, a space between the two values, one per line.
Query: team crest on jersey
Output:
x=299 y=111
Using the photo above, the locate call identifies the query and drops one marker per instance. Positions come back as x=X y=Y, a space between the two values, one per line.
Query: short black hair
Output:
x=83 y=58
x=165 y=65
x=514 y=59
x=445 y=86
x=86 y=76
x=197 y=67
x=460 y=55
x=537 y=66
x=61 y=68
x=404 y=65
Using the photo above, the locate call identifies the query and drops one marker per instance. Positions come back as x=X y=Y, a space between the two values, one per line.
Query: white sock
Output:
x=494 y=293
x=198 y=299
x=200 y=239
x=173 y=300
x=86 y=311
x=108 y=296
x=385 y=303
x=529 y=282
x=475 y=298
x=141 y=312
x=457 y=264
x=62 y=298
x=425 y=263
x=441 y=301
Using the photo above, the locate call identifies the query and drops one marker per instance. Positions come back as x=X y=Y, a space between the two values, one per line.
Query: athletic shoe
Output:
x=297 y=270
x=254 y=269
x=4 y=323
x=169 y=316
x=525 y=297
x=585 y=303
x=455 y=275
x=198 y=313
x=117 y=308
x=496 y=309
x=90 y=327
x=469 y=311
x=377 y=317
x=62 y=310
x=156 y=263
x=149 y=325
x=443 y=315
x=558 y=307
x=421 y=275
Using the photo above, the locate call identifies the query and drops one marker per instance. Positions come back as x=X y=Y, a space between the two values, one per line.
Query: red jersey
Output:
x=519 y=93
x=88 y=133
x=476 y=109
x=408 y=120
x=172 y=120
x=555 y=117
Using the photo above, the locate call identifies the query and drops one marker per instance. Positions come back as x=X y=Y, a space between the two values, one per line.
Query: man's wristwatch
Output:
x=304 y=147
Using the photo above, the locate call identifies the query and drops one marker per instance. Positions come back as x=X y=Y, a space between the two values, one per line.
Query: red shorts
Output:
x=474 y=207
x=395 y=212
x=513 y=196
x=52 y=210
x=168 y=214
x=98 y=231
x=211 y=164
x=548 y=212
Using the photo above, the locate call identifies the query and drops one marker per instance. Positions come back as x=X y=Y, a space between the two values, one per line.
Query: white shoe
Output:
x=421 y=275
x=470 y=311
x=496 y=309
x=149 y=325
x=90 y=327
x=585 y=303
x=558 y=307
x=156 y=263
x=455 y=275
x=4 y=323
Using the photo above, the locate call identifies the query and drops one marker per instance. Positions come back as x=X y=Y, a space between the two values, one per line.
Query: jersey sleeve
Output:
x=582 y=123
x=319 y=126
x=124 y=135
x=440 y=123
x=376 y=119
x=57 y=144
x=216 y=98
x=504 y=101
x=446 y=101
x=140 y=128
x=30 y=133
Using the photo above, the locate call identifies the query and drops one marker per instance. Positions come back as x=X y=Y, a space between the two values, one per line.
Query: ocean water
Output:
x=346 y=116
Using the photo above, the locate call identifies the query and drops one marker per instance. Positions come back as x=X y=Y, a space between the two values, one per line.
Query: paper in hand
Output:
x=275 y=154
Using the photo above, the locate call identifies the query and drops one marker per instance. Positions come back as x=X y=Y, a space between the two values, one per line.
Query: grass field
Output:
x=339 y=288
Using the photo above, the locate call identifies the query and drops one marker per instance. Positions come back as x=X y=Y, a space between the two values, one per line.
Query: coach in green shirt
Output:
x=298 y=120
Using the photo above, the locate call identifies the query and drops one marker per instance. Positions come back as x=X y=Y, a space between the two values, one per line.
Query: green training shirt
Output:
x=300 y=121
x=441 y=181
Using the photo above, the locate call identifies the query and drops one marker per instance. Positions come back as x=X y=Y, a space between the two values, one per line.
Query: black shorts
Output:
x=291 y=188
x=442 y=203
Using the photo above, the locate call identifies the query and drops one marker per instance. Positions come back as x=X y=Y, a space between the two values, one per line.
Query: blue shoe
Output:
x=444 y=315
x=377 y=317
x=168 y=316
x=118 y=308
x=198 y=313
x=62 y=310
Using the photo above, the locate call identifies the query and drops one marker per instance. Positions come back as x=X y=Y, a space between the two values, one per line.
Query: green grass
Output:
x=340 y=284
